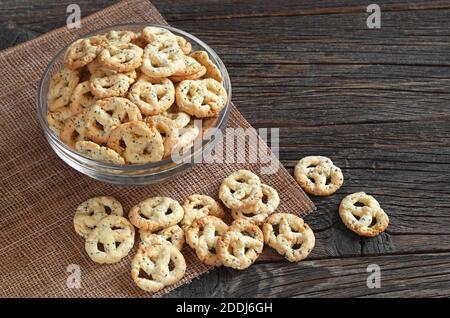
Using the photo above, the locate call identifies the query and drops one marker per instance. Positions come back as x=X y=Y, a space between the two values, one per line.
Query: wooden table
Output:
x=376 y=101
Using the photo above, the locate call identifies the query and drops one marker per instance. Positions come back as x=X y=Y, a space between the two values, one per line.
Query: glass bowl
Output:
x=132 y=174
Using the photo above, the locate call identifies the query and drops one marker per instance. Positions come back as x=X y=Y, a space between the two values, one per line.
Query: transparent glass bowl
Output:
x=131 y=174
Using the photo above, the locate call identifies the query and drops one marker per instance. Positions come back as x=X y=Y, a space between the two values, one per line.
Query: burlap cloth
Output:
x=39 y=192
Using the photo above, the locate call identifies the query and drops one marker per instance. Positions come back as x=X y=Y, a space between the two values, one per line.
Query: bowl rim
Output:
x=222 y=118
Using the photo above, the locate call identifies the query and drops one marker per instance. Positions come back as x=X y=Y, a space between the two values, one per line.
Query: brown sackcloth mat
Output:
x=39 y=192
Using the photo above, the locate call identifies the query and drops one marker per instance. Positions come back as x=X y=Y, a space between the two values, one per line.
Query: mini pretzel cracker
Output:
x=121 y=36
x=74 y=130
x=257 y=218
x=83 y=51
x=241 y=245
x=158 y=266
x=82 y=97
x=186 y=138
x=107 y=114
x=162 y=59
x=193 y=70
x=91 y=211
x=152 y=34
x=168 y=130
x=201 y=98
x=152 y=98
x=103 y=84
x=156 y=213
x=111 y=240
x=240 y=190
x=197 y=206
x=360 y=219
x=174 y=235
x=267 y=204
x=137 y=143
x=184 y=45
x=289 y=236
x=93 y=151
x=202 y=236
x=181 y=119
x=211 y=69
x=121 y=57
x=318 y=176
x=56 y=119
x=61 y=87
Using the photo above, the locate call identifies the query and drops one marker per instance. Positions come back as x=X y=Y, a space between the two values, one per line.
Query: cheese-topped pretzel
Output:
x=156 y=213
x=137 y=142
x=61 y=88
x=82 y=97
x=162 y=58
x=241 y=190
x=74 y=129
x=152 y=34
x=192 y=70
x=109 y=84
x=181 y=119
x=251 y=216
x=168 y=130
x=241 y=245
x=211 y=69
x=83 y=51
x=201 y=98
x=91 y=211
x=184 y=45
x=318 y=175
x=96 y=152
x=152 y=96
x=173 y=234
x=197 y=206
x=366 y=220
x=157 y=266
x=202 y=236
x=56 y=119
x=121 y=57
x=106 y=114
x=289 y=236
x=111 y=240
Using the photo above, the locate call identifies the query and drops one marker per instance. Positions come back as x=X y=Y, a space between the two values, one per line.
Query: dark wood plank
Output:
x=412 y=275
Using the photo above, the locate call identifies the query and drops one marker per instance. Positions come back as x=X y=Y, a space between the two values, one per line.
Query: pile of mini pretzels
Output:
x=131 y=97
x=164 y=226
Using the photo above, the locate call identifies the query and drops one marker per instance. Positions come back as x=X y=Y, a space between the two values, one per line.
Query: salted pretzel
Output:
x=111 y=240
x=289 y=236
x=91 y=211
x=74 y=129
x=83 y=51
x=106 y=114
x=202 y=236
x=56 y=119
x=173 y=234
x=367 y=220
x=201 y=98
x=157 y=266
x=110 y=84
x=121 y=57
x=211 y=69
x=96 y=152
x=197 y=206
x=61 y=87
x=137 y=143
x=241 y=245
x=162 y=58
x=156 y=213
x=241 y=190
x=152 y=96
x=318 y=175
x=82 y=97
x=192 y=70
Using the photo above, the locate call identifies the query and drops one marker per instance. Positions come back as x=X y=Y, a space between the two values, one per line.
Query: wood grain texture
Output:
x=374 y=101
